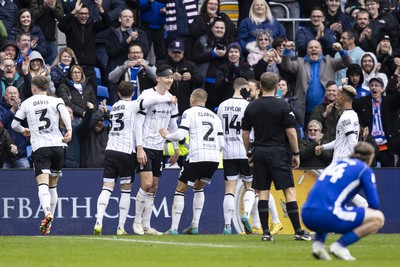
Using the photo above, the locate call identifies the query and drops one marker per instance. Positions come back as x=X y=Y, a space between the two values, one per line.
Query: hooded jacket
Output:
x=374 y=72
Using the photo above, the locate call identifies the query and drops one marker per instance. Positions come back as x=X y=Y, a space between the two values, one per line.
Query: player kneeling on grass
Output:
x=206 y=143
x=325 y=213
x=120 y=155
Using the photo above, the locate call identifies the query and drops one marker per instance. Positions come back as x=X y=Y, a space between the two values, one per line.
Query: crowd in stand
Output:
x=344 y=43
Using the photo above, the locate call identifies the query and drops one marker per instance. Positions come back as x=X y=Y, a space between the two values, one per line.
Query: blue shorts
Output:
x=341 y=221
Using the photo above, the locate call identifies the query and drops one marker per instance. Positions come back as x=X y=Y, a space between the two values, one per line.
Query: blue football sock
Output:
x=348 y=239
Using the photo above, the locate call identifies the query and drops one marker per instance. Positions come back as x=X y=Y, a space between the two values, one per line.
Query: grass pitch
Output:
x=203 y=250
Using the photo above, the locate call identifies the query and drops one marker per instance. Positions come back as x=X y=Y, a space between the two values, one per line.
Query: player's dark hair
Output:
x=125 y=88
x=40 y=82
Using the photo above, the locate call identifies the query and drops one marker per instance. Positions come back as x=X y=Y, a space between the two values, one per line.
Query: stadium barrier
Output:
x=78 y=189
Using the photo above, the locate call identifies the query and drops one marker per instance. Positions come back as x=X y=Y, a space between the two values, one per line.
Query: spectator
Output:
x=8 y=14
x=371 y=67
x=316 y=30
x=348 y=41
x=377 y=112
x=61 y=66
x=135 y=70
x=355 y=78
x=179 y=15
x=93 y=145
x=327 y=113
x=152 y=17
x=25 y=24
x=385 y=56
x=6 y=145
x=186 y=76
x=10 y=50
x=76 y=92
x=117 y=45
x=80 y=32
x=232 y=68
x=10 y=76
x=258 y=48
x=335 y=19
x=208 y=12
x=260 y=18
x=9 y=105
x=313 y=138
x=37 y=67
x=209 y=52
x=313 y=72
x=45 y=13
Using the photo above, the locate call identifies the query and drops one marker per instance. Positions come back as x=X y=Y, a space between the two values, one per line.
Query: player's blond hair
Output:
x=239 y=83
x=363 y=151
x=199 y=95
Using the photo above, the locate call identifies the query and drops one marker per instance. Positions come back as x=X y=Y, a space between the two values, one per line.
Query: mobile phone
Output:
x=278 y=93
x=220 y=47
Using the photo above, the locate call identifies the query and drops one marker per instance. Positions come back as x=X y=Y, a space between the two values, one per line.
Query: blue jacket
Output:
x=7 y=117
x=8 y=14
x=150 y=14
x=247 y=31
x=304 y=35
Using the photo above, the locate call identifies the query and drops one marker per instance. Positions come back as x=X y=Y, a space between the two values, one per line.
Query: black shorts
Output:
x=271 y=164
x=202 y=171
x=119 y=164
x=48 y=160
x=154 y=162
x=235 y=169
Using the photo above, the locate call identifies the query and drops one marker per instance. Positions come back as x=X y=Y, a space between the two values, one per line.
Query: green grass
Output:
x=204 y=250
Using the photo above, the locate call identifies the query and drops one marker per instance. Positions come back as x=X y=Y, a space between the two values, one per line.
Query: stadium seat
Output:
x=98 y=75
x=102 y=92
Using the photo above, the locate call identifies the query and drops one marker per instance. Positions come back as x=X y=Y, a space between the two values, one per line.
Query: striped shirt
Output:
x=180 y=12
x=205 y=134
x=231 y=112
x=43 y=113
x=157 y=116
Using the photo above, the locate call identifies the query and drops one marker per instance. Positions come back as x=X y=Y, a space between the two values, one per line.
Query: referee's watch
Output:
x=296 y=153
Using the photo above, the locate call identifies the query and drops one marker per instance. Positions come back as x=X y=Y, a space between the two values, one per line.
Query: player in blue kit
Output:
x=325 y=210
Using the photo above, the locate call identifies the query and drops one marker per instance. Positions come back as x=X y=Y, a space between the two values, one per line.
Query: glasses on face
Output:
x=313 y=130
x=9 y=66
x=212 y=4
x=76 y=72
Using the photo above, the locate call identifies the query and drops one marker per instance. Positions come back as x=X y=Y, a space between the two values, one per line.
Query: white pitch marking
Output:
x=156 y=242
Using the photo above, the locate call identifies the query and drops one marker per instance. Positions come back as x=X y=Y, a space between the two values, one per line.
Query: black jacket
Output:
x=183 y=89
x=82 y=38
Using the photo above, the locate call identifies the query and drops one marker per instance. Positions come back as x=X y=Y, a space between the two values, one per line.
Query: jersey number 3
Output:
x=42 y=118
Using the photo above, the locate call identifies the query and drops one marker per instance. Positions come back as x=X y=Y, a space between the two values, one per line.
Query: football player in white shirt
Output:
x=120 y=155
x=150 y=146
x=206 y=143
x=235 y=161
x=43 y=113
x=347 y=131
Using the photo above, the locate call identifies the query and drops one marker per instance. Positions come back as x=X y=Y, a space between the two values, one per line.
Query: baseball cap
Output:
x=379 y=80
x=177 y=46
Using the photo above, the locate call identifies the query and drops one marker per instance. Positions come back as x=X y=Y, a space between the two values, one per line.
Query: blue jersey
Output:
x=339 y=183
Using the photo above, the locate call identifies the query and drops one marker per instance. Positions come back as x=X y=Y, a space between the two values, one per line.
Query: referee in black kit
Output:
x=272 y=121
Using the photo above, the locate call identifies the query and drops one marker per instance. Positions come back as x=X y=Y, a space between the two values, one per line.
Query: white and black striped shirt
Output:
x=43 y=113
x=157 y=116
x=231 y=112
x=205 y=134
x=347 y=130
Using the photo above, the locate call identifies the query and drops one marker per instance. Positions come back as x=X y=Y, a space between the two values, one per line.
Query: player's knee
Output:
x=379 y=218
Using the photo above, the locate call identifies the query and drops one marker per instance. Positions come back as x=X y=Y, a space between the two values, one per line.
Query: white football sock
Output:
x=254 y=213
x=44 y=197
x=53 y=198
x=272 y=209
x=140 y=205
x=198 y=203
x=229 y=207
x=102 y=203
x=148 y=210
x=248 y=201
x=124 y=205
x=177 y=209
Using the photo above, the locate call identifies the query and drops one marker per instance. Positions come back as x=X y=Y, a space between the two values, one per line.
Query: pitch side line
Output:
x=155 y=242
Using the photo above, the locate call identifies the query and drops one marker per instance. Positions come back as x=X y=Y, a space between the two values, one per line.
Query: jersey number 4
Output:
x=335 y=172
x=233 y=124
